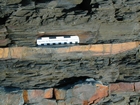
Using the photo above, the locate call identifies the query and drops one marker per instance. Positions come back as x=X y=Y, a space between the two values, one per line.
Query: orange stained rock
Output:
x=129 y=45
x=17 y=52
x=118 y=48
x=34 y=94
x=1 y=52
x=97 y=48
x=107 y=48
x=101 y=92
x=48 y=93
x=25 y=96
x=4 y=53
x=79 y=48
x=121 y=87
x=63 y=50
x=104 y=49
x=27 y=52
x=59 y=94
x=85 y=102
x=138 y=43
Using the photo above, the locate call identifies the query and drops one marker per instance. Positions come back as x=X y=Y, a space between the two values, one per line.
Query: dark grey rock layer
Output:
x=105 y=21
x=50 y=73
x=110 y=21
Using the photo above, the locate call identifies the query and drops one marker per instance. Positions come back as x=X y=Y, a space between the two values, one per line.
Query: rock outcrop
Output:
x=87 y=93
x=108 y=53
x=65 y=51
x=49 y=67
x=107 y=21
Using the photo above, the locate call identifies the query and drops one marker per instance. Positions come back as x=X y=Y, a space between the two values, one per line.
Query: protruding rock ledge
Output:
x=80 y=94
x=73 y=51
x=4 y=41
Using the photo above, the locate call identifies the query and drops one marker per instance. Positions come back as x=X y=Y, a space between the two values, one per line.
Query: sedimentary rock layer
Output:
x=113 y=25
x=48 y=52
x=101 y=21
x=81 y=93
x=49 y=67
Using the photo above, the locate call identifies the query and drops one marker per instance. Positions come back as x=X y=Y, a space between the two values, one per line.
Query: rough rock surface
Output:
x=81 y=93
x=26 y=66
x=32 y=70
x=102 y=21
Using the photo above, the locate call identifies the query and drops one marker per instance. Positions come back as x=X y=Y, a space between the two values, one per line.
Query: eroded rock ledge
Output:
x=107 y=21
x=26 y=66
x=79 y=51
x=48 y=67
x=85 y=93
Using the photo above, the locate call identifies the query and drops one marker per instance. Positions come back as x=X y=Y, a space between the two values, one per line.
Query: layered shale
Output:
x=102 y=69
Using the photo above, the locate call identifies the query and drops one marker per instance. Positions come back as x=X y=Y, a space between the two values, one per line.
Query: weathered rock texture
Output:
x=113 y=25
x=86 y=93
x=108 y=21
x=80 y=51
x=48 y=67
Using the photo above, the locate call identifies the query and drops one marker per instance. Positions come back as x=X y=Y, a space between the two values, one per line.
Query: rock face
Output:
x=107 y=21
x=109 y=52
x=67 y=51
x=86 y=93
x=50 y=67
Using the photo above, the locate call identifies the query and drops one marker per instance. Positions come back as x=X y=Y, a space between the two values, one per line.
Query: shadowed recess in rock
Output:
x=84 y=7
x=10 y=89
x=26 y=2
x=69 y=82
x=3 y=20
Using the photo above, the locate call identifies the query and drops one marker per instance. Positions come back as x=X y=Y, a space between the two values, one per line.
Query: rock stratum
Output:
x=104 y=69
x=61 y=76
x=93 y=21
x=49 y=67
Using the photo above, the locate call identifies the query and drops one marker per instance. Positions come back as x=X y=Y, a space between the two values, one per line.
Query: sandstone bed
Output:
x=104 y=69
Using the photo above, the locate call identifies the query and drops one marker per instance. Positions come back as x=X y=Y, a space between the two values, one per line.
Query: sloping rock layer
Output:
x=41 y=67
x=109 y=52
x=101 y=21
